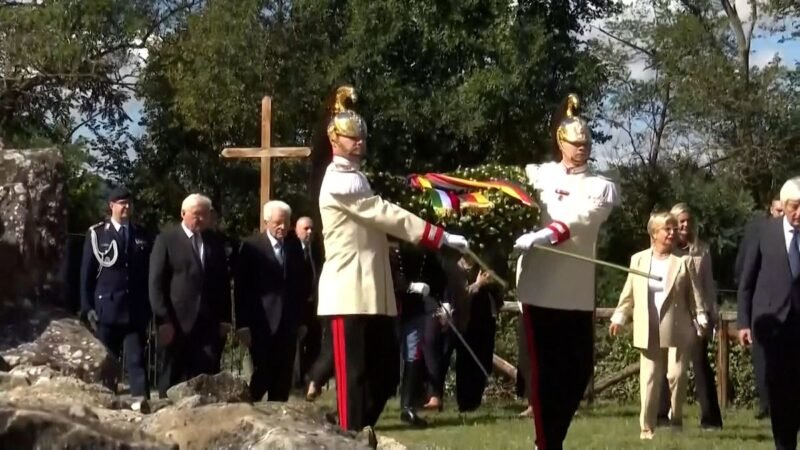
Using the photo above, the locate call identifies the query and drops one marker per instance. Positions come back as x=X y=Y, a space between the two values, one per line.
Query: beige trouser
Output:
x=653 y=364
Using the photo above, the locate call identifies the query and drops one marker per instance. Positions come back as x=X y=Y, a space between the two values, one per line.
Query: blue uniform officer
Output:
x=114 y=296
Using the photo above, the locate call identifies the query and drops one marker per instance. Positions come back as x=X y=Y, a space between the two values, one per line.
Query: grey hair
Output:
x=196 y=200
x=790 y=190
x=272 y=205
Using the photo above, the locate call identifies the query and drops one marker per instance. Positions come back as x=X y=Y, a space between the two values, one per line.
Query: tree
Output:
x=72 y=63
x=703 y=93
x=439 y=85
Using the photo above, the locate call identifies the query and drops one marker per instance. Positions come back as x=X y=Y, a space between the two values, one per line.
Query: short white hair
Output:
x=196 y=200
x=272 y=205
x=790 y=190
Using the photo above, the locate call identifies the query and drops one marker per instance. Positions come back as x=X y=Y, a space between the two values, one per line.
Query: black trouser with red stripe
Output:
x=366 y=356
x=561 y=351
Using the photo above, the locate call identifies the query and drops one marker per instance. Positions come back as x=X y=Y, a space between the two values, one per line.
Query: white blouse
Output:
x=656 y=291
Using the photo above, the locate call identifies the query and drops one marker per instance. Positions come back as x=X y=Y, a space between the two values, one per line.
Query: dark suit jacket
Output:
x=750 y=232
x=118 y=294
x=182 y=289
x=313 y=267
x=766 y=287
x=268 y=295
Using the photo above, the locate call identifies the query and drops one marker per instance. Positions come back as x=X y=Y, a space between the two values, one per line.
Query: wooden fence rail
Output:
x=726 y=320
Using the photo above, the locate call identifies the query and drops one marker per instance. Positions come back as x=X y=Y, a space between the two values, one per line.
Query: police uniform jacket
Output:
x=574 y=203
x=356 y=277
x=118 y=293
x=412 y=265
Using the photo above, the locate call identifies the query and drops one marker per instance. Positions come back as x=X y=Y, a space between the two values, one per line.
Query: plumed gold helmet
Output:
x=570 y=126
x=346 y=122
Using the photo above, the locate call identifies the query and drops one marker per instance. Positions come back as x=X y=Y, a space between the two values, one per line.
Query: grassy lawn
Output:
x=495 y=426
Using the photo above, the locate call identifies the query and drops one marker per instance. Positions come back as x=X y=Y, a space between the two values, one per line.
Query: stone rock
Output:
x=48 y=337
x=222 y=387
x=24 y=427
x=34 y=374
x=61 y=391
x=387 y=443
x=32 y=224
x=274 y=426
x=10 y=381
x=194 y=401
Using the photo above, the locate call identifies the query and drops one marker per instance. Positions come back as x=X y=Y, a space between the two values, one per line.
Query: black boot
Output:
x=411 y=380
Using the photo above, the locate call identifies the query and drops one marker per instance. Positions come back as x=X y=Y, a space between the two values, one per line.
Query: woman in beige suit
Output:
x=699 y=258
x=667 y=315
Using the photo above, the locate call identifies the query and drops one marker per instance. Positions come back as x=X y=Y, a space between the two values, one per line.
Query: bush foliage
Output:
x=493 y=229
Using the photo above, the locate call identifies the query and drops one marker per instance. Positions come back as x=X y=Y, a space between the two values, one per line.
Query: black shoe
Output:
x=410 y=417
x=710 y=426
x=412 y=381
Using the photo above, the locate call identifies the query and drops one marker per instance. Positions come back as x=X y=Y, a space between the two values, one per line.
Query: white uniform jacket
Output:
x=356 y=277
x=574 y=204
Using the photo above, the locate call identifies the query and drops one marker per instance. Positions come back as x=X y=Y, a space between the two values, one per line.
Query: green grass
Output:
x=612 y=427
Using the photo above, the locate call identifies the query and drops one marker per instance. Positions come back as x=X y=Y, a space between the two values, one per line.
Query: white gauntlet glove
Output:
x=541 y=237
x=456 y=241
x=419 y=288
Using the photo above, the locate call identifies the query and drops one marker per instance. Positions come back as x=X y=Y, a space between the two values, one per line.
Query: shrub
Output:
x=494 y=229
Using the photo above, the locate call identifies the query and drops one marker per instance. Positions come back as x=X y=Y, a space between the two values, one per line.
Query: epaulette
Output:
x=98 y=224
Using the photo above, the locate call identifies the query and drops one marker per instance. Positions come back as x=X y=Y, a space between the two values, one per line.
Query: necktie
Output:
x=196 y=245
x=794 y=255
x=279 y=252
x=123 y=234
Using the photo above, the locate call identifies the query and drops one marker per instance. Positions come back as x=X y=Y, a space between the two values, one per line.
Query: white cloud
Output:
x=762 y=57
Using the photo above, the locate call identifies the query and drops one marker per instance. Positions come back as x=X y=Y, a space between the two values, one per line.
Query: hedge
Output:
x=496 y=228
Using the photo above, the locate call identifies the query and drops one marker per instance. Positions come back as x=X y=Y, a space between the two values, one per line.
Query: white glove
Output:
x=445 y=310
x=456 y=241
x=541 y=237
x=419 y=288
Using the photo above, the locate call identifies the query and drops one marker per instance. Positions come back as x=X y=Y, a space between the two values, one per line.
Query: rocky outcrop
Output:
x=248 y=426
x=61 y=411
x=25 y=427
x=222 y=387
x=39 y=338
x=32 y=223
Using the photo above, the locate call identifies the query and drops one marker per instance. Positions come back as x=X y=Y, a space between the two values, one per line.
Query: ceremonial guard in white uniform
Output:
x=355 y=287
x=557 y=292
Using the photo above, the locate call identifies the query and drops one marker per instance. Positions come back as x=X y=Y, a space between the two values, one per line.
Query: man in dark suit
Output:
x=270 y=290
x=757 y=351
x=113 y=289
x=310 y=331
x=769 y=310
x=190 y=294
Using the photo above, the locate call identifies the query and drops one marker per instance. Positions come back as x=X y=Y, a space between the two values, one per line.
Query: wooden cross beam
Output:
x=266 y=152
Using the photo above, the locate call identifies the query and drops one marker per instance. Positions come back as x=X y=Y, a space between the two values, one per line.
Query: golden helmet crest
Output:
x=573 y=128
x=346 y=122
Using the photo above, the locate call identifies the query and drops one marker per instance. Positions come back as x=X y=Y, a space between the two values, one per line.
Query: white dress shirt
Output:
x=788 y=234
x=189 y=234
x=276 y=246
x=657 y=288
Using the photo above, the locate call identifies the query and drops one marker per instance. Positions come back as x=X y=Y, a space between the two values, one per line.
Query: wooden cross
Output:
x=266 y=152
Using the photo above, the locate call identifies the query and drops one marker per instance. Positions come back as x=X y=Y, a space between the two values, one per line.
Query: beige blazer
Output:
x=699 y=258
x=356 y=277
x=681 y=305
